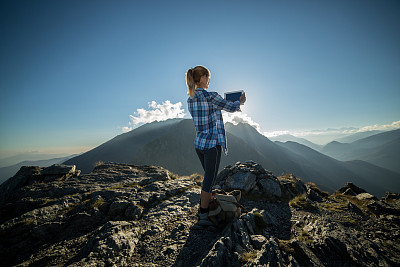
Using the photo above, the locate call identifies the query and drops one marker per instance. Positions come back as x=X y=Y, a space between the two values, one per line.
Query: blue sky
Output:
x=72 y=72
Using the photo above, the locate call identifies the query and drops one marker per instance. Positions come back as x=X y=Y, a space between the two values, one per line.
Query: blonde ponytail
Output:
x=193 y=78
x=190 y=83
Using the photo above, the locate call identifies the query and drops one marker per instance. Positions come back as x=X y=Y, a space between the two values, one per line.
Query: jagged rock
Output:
x=258 y=241
x=366 y=196
x=271 y=187
x=117 y=209
x=240 y=229
x=382 y=208
x=351 y=189
x=268 y=218
x=20 y=179
x=218 y=255
x=313 y=195
x=241 y=180
x=291 y=186
x=304 y=255
x=127 y=215
x=240 y=171
x=114 y=240
x=270 y=254
x=59 y=169
x=349 y=192
x=391 y=196
x=133 y=212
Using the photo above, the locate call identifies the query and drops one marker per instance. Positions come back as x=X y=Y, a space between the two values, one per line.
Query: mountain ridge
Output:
x=172 y=148
x=379 y=149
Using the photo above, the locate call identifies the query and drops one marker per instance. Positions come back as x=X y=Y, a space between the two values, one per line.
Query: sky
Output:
x=74 y=74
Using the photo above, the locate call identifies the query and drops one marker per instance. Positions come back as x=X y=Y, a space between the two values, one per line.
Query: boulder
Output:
x=391 y=196
x=271 y=187
x=351 y=189
x=59 y=169
x=366 y=196
x=217 y=256
x=270 y=254
x=23 y=177
x=117 y=209
x=244 y=181
x=113 y=239
x=313 y=195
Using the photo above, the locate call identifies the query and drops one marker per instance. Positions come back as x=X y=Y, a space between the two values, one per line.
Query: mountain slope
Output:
x=288 y=137
x=356 y=136
x=313 y=166
x=358 y=172
x=124 y=147
x=176 y=152
x=170 y=145
x=380 y=149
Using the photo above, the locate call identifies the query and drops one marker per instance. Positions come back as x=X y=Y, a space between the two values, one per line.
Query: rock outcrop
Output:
x=126 y=215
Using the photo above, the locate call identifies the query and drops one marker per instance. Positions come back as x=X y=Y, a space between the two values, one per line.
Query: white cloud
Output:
x=343 y=131
x=156 y=112
x=240 y=117
x=275 y=133
x=387 y=127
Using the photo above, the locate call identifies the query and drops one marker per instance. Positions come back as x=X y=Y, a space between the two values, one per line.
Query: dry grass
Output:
x=248 y=256
x=302 y=203
x=98 y=163
x=284 y=245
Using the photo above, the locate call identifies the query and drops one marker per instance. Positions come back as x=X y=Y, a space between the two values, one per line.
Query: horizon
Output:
x=76 y=74
x=328 y=134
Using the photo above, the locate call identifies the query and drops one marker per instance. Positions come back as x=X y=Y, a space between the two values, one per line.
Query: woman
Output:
x=205 y=108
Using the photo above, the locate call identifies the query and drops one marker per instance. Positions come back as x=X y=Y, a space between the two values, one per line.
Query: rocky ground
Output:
x=125 y=215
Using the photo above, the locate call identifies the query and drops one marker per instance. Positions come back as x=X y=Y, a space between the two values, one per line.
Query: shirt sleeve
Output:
x=223 y=104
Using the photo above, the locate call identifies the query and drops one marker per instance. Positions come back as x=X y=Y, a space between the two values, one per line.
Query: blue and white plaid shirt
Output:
x=205 y=108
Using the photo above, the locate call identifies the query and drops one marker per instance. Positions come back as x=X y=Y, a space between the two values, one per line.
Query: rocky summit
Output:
x=127 y=215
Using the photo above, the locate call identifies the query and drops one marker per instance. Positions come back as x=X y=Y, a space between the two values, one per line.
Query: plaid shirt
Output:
x=205 y=108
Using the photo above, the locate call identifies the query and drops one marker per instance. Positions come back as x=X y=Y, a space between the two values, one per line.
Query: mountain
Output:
x=123 y=148
x=303 y=141
x=357 y=136
x=380 y=149
x=170 y=144
x=30 y=156
x=130 y=215
x=9 y=171
x=356 y=171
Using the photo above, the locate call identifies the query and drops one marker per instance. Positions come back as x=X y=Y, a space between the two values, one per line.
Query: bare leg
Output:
x=205 y=199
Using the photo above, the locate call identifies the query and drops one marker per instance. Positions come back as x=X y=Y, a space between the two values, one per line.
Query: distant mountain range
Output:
x=381 y=149
x=170 y=144
x=291 y=138
x=9 y=171
x=356 y=136
x=346 y=139
x=29 y=156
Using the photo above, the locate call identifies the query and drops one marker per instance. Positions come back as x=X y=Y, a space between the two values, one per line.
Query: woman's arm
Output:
x=222 y=104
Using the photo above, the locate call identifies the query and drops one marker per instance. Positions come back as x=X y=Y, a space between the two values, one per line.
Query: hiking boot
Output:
x=203 y=220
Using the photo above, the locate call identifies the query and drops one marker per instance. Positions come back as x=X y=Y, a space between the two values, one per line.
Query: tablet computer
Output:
x=234 y=96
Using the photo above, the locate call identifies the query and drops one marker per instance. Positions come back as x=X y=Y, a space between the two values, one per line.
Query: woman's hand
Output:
x=242 y=99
